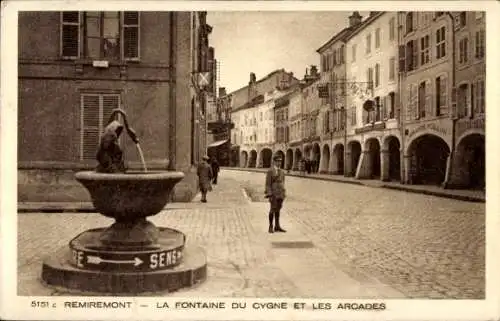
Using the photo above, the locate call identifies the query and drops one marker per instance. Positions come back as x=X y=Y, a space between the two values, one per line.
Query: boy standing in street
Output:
x=275 y=192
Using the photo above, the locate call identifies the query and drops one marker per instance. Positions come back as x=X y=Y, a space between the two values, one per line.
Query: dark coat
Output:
x=275 y=183
x=205 y=176
x=215 y=166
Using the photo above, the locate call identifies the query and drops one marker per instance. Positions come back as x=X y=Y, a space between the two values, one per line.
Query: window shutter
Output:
x=444 y=96
x=397 y=107
x=131 y=35
x=70 y=34
x=415 y=21
x=402 y=62
x=109 y=102
x=473 y=98
x=90 y=121
x=414 y=101
x=384 y=109
x=428 y=98
x=415 y=54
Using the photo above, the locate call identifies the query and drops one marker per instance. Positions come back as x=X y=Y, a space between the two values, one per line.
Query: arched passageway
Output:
x=244 y=159
x=373 y=149
x=355 y=153
x=289 y=159
x=338 y=152
x=325 y=159
x=393 y=148
x=316 y=158
x=252 y=162
x=296 y=159
x=266 y=156
x=282 y=155
x=428 y=155
x=471 y=162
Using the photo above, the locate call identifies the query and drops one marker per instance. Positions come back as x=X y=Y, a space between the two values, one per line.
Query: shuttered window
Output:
x=95 y=112
x=70 y=34
x=131 y=35
x=107 y=35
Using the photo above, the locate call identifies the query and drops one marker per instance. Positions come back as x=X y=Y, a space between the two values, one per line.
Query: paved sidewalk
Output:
x=458 y=194
x=243 y=259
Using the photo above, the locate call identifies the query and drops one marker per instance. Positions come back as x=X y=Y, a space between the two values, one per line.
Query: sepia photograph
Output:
x=210 y=160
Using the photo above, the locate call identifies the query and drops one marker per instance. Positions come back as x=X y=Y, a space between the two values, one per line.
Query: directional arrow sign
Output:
x=97 y=260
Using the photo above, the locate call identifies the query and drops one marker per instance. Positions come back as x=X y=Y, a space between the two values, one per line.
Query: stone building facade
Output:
x=75 y=67
x=373 y=143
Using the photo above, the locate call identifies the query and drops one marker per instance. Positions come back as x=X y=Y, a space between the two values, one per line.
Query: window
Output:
x=95 y=111
x=368 y=44
x=353 y=115
x=342 y=49
x=441 y=95
x=369 y=77
x=377 y=38
x=411 y=55
x=441 y=42
x=392 y=29
x=392 y=105
x=353 y=48
x=378 y=115
x=392 y=68
x=70 y=34
x=107 y=35
x=421 y=100
x=462 y=19
x=377 y=75
x=480 y=97
x=424 y=50
x=480 y=43
x=409 y=22
x=463 y=50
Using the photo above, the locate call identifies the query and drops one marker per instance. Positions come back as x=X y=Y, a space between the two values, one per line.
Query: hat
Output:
x=205 y=157
x=277 y=158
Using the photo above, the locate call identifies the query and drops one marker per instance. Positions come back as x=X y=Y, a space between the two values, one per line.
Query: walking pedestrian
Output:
x=215 y=169
x=275 y=192
x=205 y=175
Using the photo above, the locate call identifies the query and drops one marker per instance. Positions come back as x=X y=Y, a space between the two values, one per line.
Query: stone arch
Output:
x=428 y=154
x=252 y=162
x=425 y=133
x=325 y=159
x=469 y=162
x=266 y=155
x=372 y=162
x=392 y=154
x=354 y=154
x=338 y=159
x=289 y=161
x=316 y=158
x=297 y=157
x=244 y=159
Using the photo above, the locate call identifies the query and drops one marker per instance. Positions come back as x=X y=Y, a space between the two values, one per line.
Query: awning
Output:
x=217 y=143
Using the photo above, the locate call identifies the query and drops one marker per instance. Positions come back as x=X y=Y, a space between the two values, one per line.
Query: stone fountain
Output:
x=132 y=255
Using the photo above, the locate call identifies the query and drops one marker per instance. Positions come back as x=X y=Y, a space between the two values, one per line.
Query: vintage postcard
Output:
x=252 y=160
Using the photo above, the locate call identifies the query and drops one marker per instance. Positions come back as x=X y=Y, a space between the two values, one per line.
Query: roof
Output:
x=364 y=24
x=339 y=36
x=261 y=80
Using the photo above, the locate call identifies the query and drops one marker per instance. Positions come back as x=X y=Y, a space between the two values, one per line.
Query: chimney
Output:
x=355 y=19
x=253 y=79
x=314 y=71
x=372 y=13
x=222 y=91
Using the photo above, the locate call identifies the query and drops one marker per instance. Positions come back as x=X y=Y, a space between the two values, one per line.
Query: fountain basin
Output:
x=129 y=196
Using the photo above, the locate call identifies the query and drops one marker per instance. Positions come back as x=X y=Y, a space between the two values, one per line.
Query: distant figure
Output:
x=215 y=169
x=275 y=192
x=308 y=166
x=204 y=172
x=302 y=167
x=109 y=154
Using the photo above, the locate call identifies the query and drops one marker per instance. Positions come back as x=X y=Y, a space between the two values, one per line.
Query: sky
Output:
x=261 y=42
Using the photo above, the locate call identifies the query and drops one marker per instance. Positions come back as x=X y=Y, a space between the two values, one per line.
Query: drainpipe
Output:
x=402 y=166
x=449 y=163
x=172 y=93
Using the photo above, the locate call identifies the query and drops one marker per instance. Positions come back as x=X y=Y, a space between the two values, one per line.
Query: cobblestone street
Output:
x=343 y=241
